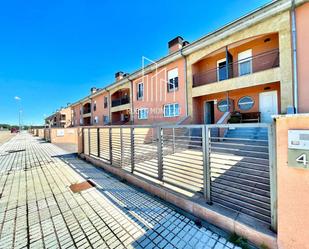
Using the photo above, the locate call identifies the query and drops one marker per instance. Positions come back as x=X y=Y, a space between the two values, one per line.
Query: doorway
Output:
x=209 y=112
x=268 y=106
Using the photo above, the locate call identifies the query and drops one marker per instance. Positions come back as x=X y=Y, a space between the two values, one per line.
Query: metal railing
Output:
x=120 y=101
x=257 y=63
x=231 y=165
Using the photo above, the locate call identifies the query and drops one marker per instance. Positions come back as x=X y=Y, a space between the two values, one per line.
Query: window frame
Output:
x=104 y=122
x=95 y=106
x=140 y=110
x=171 y=112
x=138 y=91
x=105 y=103
x=96 y=119
x=228 y=105
x=244 y=60
x=170 y=84
x=238 y=105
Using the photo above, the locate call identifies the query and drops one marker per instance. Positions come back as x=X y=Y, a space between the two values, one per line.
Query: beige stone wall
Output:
x=279 y=24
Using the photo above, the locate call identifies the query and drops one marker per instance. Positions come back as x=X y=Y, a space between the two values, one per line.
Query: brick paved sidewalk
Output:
x=39 y=210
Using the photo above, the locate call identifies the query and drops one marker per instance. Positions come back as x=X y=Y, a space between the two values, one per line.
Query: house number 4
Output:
x=302 y=159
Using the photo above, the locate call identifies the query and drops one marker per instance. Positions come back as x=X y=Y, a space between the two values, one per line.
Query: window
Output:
x=222 y=105
x=171 y=110
x=105 y=102
x=105 y=119
x=140 y=91
x=143 y=113
x=94 y=106
x=221 y=70
x=81 y=121
x=245 y=103
x=96 y=119
x=80 y=111
x=245 y=62
x=172 y=77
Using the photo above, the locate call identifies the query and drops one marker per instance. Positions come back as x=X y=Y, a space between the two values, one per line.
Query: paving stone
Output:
x=35 y=192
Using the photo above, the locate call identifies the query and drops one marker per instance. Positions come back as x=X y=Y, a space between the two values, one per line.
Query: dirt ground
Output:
x=5 y=136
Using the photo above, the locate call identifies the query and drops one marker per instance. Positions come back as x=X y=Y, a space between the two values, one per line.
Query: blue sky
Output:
x=53 y=52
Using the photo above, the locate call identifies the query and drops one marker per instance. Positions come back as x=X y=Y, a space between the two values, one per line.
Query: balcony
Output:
x=250 y=65
x=120 y=101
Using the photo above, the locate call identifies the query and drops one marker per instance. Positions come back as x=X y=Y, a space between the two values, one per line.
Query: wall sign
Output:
x=298 y=148
x=60 y=133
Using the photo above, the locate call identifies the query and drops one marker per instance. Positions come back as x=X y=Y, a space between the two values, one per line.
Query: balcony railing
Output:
x=86 y=110
x=239 y=68
x=120 y=101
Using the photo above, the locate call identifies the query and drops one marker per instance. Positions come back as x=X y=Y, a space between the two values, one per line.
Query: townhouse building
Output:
x=246 y=71
x=94 y=109
x=61 y=118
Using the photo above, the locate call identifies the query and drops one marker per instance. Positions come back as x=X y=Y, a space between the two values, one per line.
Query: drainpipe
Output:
x=131 y=101
x=294 y=47
x=227 y=102
x=186 y=82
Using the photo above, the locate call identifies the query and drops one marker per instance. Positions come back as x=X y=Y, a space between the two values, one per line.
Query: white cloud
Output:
x=17 y=98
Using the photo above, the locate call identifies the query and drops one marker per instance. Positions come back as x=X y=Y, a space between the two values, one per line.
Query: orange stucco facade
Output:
x=258 y=45
x=234 y=95
x=156 y=94
x=293 y=185
x=100 y=111
x=302 y=24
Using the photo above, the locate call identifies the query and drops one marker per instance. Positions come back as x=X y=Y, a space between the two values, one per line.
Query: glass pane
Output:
x=245 y=67
x=245 y=103
x=172 y=110
x=176 y=110
x=166 y=110
x=222 y=71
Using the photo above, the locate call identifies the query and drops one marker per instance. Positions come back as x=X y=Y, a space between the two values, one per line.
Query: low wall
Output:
x=64 y=135
x=41 y=133
x=293 y=189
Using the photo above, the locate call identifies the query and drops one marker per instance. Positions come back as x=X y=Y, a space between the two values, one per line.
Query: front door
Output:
x=268 y=106
x=209 y=112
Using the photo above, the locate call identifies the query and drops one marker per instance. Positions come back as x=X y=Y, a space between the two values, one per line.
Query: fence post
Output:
x=110 y=146
x=272 y=175
x=83 y=141
x=160 y=158
x=121 y=147
x=98 y=141
x=206 y=163
x=89 y=141
x=132 y=149
x=173 y=140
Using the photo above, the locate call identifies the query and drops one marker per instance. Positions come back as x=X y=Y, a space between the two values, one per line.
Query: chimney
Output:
x=119 y=75
x=93 y=90
x=185 y=43
x=175 y=44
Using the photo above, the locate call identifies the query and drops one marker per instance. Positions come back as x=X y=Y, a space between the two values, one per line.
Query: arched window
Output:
x=245 y=103
x=222 y=105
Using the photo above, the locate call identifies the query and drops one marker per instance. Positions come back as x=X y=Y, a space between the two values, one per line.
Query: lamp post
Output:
x=18 y=99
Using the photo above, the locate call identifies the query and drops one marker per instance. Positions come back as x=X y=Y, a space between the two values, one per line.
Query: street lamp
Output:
x=19 y=112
